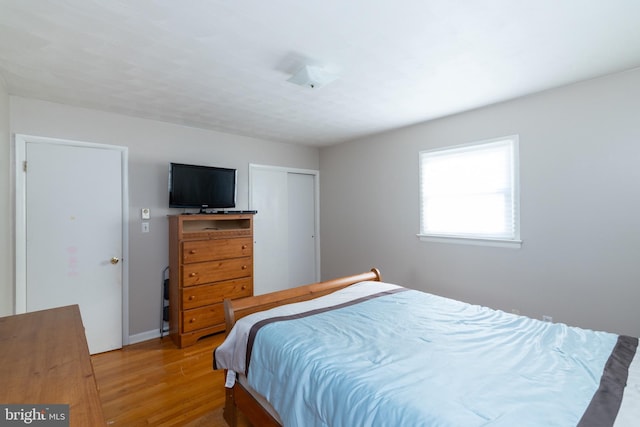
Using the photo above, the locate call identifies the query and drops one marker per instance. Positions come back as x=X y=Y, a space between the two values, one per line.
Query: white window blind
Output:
x=471 y=191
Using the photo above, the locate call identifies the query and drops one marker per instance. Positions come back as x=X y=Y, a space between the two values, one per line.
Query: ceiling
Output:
x=224 y=64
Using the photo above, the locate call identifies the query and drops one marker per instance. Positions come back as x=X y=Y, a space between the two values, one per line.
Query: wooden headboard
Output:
x=238 y=308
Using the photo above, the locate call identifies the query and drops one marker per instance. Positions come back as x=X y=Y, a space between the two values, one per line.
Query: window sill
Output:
x=501 y=243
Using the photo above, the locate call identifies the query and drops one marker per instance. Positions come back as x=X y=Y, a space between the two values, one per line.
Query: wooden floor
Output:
x=154 y=383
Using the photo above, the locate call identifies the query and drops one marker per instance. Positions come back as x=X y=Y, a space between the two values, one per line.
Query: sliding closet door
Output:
x=286 y=250
x=268 y=195
x=302 y=228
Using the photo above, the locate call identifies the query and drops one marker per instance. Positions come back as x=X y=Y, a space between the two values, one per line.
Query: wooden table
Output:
x=44 y=359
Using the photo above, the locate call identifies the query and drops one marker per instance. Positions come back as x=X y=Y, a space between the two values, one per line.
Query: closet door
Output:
x=302 y=228
x=286 y=249
x=268 y=195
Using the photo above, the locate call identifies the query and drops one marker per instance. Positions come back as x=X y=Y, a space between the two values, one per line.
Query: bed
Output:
x=360 y=351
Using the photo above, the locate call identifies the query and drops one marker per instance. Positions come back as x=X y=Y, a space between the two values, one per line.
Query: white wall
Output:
x=6 y=215
x=580 y=206
x=152 y=145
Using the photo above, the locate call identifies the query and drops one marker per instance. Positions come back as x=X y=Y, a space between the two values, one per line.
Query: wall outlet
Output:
x=145 y=213
x=547 y=318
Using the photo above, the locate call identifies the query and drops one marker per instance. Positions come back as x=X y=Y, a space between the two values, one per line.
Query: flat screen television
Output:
x=204 y=187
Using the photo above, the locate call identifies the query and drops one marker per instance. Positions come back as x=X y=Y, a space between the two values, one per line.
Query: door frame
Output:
x=20 y=242
x=316 y=190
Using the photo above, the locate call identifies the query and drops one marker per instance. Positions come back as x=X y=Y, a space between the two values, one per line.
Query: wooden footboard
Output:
x=238 y=398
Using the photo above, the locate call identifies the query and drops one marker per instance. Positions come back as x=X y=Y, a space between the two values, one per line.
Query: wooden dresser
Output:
x=210 y=259
x=44 y=359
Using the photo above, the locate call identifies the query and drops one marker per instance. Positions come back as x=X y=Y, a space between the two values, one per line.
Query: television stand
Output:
x=242 y=212
x=239 y=212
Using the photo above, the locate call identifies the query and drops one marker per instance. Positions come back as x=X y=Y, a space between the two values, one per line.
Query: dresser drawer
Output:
x=198 y=296
x=216 y=271
x=204 y=317
x=209 y=250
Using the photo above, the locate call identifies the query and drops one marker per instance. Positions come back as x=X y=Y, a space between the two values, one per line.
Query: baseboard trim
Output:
x=144 y=336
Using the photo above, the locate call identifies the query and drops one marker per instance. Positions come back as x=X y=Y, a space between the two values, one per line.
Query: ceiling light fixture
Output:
x=312 y=77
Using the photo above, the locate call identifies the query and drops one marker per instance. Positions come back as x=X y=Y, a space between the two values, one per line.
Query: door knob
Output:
x=115 y=260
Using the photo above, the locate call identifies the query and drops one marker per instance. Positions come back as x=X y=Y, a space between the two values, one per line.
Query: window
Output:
x=470 y=194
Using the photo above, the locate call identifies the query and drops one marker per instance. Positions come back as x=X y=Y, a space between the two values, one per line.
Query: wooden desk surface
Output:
x=44 y=359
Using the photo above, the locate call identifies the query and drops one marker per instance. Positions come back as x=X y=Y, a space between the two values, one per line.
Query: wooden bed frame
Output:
x=238 y=398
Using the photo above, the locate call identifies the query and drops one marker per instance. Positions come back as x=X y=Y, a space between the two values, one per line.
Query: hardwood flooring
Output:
x=154 y=383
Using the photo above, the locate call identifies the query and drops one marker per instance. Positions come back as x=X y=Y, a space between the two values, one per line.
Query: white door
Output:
x=74 y=230
x=270 y=230
x=286 y=250
x=302 y=228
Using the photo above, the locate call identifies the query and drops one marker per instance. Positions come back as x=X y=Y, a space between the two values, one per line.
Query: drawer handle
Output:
x=192 y=251
x=244 y=246
x=244 y=267
x=192 y=297
x=244 y=287
x=193 y=274
x=193 y=319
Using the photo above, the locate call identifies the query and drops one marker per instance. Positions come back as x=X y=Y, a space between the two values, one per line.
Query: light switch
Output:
x=146 y=213
x=145 y=227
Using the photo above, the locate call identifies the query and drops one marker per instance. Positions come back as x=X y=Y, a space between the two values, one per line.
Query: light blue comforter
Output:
x=414 y=359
